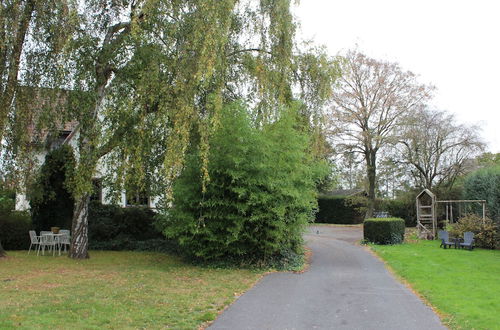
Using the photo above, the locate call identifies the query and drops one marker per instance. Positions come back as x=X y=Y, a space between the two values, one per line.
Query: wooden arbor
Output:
x=426 y=213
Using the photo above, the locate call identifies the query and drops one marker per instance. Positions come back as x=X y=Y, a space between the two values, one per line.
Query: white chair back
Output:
x=48 y=239
x=33 y=237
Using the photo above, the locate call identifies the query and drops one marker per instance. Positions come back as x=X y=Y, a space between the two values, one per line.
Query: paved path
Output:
x=345 y=288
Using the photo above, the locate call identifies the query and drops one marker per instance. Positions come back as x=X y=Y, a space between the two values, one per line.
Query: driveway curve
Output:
x=345 y=288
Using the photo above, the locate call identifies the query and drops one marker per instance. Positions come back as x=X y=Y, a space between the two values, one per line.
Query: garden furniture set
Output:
x=466 y=242
x=50 y=241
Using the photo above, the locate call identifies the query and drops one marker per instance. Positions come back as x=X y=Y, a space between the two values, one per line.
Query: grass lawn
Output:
x=119 y=290
x=463 y=285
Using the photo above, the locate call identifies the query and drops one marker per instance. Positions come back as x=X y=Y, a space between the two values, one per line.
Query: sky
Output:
x=451 y=44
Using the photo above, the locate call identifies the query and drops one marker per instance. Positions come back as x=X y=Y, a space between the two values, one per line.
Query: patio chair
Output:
x=445 y=239
x=65 y=239
x=468 y=240
x=35 y=240
x=48 y=241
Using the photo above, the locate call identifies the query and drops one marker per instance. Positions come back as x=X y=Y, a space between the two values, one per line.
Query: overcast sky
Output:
x=452 y=44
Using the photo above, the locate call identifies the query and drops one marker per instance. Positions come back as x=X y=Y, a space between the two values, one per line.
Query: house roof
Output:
x=41 y=102
x=426 y=191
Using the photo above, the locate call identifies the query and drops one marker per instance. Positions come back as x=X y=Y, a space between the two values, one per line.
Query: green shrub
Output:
x=260 y=196
x=485 y=231
x=14 y=228
x=114 y=228
x=384 y=230
x=14 y=225
x=402 y=207
x=485 y=184
x=50 y=200
x=338 y=210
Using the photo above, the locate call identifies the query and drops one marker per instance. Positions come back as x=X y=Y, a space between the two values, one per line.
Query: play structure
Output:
x=427 y=211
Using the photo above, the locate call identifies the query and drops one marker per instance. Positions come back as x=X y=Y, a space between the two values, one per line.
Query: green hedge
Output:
x=384 y=230
x=338 y=210
x=14 y=225
x=14 y=230
x=402 y=207
x=114 y=228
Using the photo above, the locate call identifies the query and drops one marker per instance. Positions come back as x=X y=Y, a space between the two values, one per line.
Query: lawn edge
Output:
x=445 y=319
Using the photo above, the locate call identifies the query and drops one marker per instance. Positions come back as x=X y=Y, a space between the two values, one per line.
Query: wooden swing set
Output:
x=427 y=204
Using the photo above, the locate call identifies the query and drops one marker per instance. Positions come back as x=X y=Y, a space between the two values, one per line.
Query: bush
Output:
x=14 y=225
x=384 y=230
x=485 y=184
x=114 y=228
x=402 y=207
x=50 y=200
x=485 y=231
x=14 y=228
x=338 y=210
x=260 y=196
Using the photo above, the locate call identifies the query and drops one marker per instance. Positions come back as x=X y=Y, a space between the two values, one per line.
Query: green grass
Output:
x=119 y=290
x=462 y=285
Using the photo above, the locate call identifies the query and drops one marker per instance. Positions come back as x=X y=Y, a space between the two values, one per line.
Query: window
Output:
x=97 y=190
x=135 y=198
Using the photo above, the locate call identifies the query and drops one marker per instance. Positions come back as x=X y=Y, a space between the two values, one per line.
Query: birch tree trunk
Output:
x=79 y=236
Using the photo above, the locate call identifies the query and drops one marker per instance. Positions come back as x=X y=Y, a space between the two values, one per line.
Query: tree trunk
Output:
x=371 y=169
x=2 y=251
x=79 y=236
x=14 y=61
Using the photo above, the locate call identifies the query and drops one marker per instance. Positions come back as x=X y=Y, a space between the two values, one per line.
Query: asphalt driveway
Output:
x=346 y=287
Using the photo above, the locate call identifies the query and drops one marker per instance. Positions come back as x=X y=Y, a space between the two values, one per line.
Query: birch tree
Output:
x=369 y=101
x=149 y=78
x=31 y=35
x=144 y=79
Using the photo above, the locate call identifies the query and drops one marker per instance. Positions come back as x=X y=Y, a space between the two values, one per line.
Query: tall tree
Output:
x=368 y=102
x=437 y=148
x=149 y=77
x=2 y=251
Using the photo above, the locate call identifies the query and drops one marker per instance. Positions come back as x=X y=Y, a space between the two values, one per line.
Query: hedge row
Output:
x=110 y=228
x=384 y=230
x=14 y=228
x=115 y=228
x=338 y=210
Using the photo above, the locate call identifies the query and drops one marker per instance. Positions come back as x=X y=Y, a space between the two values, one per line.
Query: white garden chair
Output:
x=35 y=240
x=48 y=241
x=65 y=239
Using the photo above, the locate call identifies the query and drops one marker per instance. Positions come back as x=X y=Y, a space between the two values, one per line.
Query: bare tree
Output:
x=437 y=148
x=368 y=102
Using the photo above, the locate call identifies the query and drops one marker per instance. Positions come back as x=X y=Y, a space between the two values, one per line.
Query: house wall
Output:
x=22 y=202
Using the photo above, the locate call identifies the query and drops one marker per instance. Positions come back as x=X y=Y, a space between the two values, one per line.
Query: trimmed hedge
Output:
x=114 y=228
x=14 y=228
x=384 y=230
x=403 y=208
x=338 y=210
x=14 y=225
